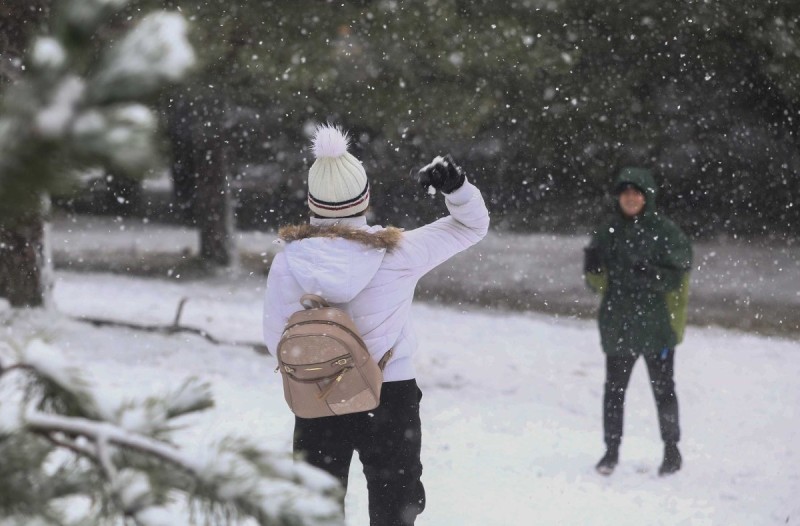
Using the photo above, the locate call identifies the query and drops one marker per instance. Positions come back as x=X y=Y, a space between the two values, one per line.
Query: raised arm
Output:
x=426 y=247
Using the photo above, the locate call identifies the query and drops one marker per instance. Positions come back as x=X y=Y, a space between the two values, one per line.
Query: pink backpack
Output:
x=326 y=367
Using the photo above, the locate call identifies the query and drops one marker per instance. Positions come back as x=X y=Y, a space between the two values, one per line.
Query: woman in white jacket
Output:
x=371 y=273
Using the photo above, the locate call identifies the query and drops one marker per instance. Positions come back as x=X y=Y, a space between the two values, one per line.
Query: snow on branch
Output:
x=155 y=52
x=47 y=362
x=57 y=382
x=48 y=54
x=94 y=430
x=121 y=134
x=227 y=476
x=134 y=468
x=51 y=121
x=191 y=396
x=80 y=103
x=152 y=415
x=83 y=16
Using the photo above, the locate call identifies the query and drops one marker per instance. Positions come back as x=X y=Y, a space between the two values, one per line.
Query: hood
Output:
x=336 y=259
x=641 y=178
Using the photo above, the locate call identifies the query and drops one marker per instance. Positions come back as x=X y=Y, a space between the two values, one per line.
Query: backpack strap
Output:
x=312 y=301
x=385 y=358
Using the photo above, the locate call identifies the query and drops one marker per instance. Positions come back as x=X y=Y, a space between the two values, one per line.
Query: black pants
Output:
x=388 y=441
x=618 y=373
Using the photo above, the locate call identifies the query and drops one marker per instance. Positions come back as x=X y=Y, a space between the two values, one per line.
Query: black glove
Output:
x=443 y=174
x=592 y=260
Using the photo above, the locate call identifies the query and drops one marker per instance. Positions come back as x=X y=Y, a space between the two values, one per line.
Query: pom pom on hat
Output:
x=337 y=183
x=330 y=141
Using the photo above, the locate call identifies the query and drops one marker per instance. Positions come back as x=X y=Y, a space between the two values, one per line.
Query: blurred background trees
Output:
x=543 y=101
x=705 y=92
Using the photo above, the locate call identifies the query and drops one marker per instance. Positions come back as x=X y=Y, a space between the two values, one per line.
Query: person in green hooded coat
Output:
x=639 y=261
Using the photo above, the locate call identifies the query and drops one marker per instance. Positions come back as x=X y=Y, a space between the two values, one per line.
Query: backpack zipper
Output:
x=324 y=394
x=342 y=360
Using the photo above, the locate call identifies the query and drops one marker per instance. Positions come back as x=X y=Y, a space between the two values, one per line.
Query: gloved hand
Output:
x=443 y=174
x=592 y=260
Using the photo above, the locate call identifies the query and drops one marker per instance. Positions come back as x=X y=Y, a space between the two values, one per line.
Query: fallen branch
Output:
x=175 y=328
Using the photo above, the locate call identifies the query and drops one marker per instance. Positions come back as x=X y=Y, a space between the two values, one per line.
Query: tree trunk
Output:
x=180 y=130
x=213 y=204
x=25 y=262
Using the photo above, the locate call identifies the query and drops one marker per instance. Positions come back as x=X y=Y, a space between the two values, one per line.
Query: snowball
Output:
x=436 y=161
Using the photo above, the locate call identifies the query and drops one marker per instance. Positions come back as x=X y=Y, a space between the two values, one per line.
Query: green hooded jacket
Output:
x=644 y=276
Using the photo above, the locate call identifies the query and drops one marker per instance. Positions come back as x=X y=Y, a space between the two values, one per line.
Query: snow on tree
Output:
x=78 y=103
x=68 y=455
x=71 y=457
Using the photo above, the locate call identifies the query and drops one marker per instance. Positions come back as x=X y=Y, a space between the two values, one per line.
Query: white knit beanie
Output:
x=337 y=183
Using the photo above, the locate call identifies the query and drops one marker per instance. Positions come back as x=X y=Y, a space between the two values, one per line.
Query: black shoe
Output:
x=672 y=460
x=608 y=462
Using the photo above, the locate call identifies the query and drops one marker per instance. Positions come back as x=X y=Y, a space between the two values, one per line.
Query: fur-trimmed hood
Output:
x=387 y=238
x=336 y=261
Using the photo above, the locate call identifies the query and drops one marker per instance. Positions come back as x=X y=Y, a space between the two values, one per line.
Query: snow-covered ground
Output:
x=511 y=407
x=753 y=285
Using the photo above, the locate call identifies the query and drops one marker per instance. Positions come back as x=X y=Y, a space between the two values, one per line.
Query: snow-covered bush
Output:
x=72 y=457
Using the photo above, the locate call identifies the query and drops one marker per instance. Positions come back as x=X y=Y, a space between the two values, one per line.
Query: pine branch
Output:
x=231 y=479
x=193 y=395
x=69 y=445
x=104 y=458
x=28 y=483
x=95 y=431
x=237 y=479
x=15 y=367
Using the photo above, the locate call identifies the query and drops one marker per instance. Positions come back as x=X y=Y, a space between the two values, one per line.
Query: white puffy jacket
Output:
x=375 y=286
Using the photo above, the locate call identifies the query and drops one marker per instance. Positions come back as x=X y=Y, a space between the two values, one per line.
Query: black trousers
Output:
x=618 y=373
x=388 y=440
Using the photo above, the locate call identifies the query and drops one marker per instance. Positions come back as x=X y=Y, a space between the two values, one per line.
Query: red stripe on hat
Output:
x=338 y=207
